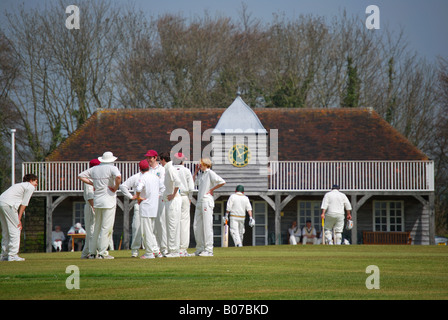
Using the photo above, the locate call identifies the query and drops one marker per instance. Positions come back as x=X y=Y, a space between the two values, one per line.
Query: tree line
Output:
x=53 y=78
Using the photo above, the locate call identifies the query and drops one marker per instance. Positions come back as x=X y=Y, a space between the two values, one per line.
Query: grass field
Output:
x=249 y=273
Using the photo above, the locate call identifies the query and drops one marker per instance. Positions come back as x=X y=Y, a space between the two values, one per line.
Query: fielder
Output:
x=186 y=194
x=89 y=213
x=106 y=179
x=173 y=203
x=237 y=205
x=207 y=181
x=333 y=206
x=132 y=183
x=147 y=195
x=12 y=207
x=160 y=228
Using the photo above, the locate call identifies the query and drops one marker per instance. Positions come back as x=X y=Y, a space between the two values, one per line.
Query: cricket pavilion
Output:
x=287 y=159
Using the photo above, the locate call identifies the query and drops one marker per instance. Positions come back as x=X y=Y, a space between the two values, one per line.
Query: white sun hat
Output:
x=107 y=157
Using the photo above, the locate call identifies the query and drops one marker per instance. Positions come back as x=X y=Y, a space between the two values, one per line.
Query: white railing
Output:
x=284 y=175
x=62 y=176
x=352 y=175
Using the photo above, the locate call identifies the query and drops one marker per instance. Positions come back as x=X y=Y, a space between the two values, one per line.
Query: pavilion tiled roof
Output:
x=303 y=134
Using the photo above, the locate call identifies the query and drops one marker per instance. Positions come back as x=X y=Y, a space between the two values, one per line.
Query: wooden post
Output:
x=126 y=209
x=354 y=219
x=431 y=216
x=49 y=222
x=278 y=219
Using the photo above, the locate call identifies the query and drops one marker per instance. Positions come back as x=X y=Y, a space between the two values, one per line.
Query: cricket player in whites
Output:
x=237 y=205
x=106 y=179
x=186 y=193
x=207 y=181
x=12 y=207
x=147 y=196
x=173 y=203
x=89 y=213
x=333 y=214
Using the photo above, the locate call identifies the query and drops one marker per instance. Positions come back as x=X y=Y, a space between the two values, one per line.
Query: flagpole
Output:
x=13 y=159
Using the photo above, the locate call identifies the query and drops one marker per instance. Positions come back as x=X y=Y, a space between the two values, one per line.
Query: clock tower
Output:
x=239 y=149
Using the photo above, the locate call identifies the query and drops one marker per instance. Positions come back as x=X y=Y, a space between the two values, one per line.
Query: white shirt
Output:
x=18 y=194
x=149 y=186
x=103 y=176
x=171 y=180
x=335 y=202
x=186 y=180
x=88 y=192
x=73 y=231
x=295 y=231
x=159 y=171
x=57 y=235
x=130 y=183
x=206 y=181
x=238 y=204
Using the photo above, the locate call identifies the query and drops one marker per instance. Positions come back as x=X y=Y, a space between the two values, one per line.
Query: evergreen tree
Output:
x=351 y=98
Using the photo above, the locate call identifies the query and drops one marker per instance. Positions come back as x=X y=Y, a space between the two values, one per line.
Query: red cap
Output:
x=94 y=162
x=180 y=156
x=151 y=153
x=143 y=165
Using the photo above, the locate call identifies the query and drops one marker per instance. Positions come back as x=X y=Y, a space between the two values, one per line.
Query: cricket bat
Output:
x=225 y=240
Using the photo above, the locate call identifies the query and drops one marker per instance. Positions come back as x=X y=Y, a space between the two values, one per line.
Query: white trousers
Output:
x=160 y=227
x=203 y=224
x=306 y=240
x=57 y=245
x=335 y=223
x=89 y=222
x=104 y=224
x=172 y=216
x=237 y=230
x=148 y=236
x=293 y=240
x=137 y=230
x=184 y=224
x=9 y=218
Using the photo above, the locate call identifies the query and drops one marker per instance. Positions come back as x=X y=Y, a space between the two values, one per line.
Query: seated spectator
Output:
x=294 y=233
x=57 y=237
x=309 y=234
x=77 y=229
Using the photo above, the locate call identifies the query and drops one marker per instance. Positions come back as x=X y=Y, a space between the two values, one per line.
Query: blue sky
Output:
x=425 y=23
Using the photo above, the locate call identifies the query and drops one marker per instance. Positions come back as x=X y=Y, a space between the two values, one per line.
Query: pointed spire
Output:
x=239 y=117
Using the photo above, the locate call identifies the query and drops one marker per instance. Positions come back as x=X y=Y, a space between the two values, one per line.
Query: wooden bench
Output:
x=381 y=237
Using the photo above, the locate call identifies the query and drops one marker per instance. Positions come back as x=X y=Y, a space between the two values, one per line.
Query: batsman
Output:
x=237 y=205
x=333 y=214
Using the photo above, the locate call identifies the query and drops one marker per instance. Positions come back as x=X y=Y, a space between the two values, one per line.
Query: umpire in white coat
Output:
x=237 y=206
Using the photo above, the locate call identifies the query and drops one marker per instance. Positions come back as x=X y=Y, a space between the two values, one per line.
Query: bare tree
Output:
x=439 y=150
x=65 y=74
x=8 y=75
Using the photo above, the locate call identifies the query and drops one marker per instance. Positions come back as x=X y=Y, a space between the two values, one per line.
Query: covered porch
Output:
x=360 y=180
